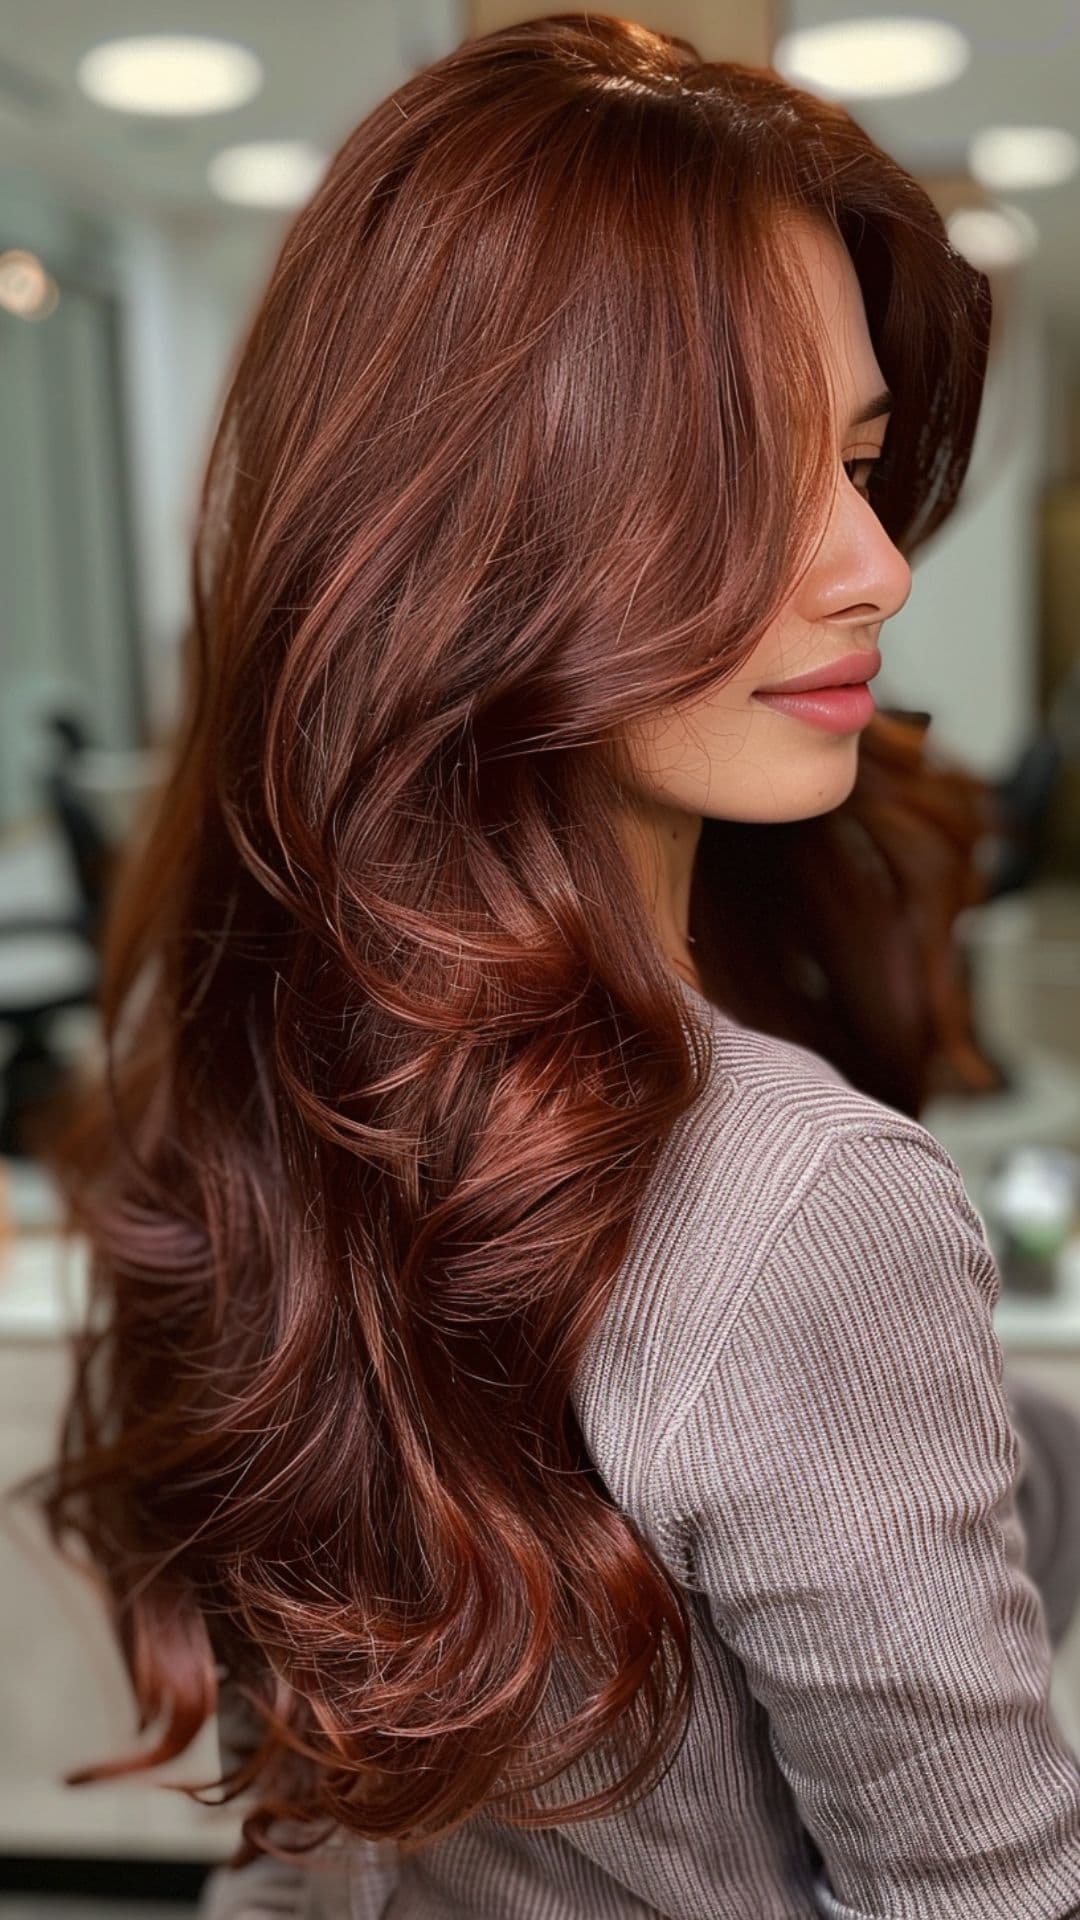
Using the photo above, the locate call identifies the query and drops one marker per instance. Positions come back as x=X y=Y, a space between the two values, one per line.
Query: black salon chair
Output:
x=49 y=962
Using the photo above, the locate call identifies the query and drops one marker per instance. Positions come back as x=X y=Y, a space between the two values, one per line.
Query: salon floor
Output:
x=1028 y=981
x=28 y=1907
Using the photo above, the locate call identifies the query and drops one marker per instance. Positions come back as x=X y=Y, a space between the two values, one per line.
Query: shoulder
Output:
x=865 y=1331
x=860 y=1378
x=785 y=1114
x=781 y=1171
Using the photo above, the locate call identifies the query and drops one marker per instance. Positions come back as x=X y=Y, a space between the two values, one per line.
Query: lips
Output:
x=843 y=672
x=844 y=709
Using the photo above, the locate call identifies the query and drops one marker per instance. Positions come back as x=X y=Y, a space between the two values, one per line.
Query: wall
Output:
x=965 y=647
x=68 y=632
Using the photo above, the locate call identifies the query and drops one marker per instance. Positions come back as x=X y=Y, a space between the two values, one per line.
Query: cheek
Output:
x=790 y=646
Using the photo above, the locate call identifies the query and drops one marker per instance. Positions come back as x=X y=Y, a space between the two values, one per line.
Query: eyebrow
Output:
x=881 y=403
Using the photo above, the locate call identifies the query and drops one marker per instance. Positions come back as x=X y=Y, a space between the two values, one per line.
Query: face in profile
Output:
x=732 y=754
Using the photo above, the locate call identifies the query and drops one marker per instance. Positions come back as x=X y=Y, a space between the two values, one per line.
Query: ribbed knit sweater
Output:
x=796 y=1394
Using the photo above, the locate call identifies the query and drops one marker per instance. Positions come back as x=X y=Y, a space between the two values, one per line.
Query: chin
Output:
x=829 y=793
x=820 y=795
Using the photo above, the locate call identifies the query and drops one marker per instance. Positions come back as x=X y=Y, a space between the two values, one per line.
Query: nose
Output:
x=859 y=578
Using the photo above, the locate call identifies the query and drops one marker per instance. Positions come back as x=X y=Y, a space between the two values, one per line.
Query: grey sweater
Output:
x=796 y=1392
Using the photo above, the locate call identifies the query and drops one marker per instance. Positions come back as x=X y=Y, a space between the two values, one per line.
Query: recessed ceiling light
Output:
x=27 y=288
x=858 y=59
x=992 y=237
x=1007 y=158
x=267 y=173
x=169 y=73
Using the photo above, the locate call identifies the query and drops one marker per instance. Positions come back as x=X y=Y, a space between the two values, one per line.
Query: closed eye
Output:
x=865 y=465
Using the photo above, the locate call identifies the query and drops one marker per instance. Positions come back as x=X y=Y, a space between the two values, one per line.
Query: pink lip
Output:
x=835 y=673
x=842 y=709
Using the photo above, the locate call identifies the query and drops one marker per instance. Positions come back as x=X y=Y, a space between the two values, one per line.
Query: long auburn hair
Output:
x=528 y=436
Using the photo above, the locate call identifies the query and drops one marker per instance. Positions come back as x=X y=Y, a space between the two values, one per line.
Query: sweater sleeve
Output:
x=845 y=1481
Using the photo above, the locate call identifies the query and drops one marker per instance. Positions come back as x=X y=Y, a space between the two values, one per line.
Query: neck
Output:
x=662 y=841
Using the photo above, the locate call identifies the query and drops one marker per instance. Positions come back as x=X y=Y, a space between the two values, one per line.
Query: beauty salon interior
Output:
x=152 y=156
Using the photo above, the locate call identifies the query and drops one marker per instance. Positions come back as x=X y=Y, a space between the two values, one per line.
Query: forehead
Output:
x=827 y=268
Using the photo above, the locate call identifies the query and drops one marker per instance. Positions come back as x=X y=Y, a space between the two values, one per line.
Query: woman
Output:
x=544 y=1379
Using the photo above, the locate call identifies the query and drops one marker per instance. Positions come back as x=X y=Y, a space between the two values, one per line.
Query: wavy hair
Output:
x=529 y=435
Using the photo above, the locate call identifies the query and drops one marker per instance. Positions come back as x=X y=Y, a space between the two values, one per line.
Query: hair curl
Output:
x=508 y=456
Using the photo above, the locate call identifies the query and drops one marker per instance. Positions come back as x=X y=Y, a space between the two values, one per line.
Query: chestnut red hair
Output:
x=529 y=435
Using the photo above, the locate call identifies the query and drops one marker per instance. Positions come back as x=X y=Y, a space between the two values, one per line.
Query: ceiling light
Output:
x=992 y=237
x=27 y=288
x=169 y=73
x=267 y=173
x=1006 y=158
x=857 y=59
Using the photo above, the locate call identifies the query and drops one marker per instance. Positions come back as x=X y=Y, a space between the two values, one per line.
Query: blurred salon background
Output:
x=151 y=154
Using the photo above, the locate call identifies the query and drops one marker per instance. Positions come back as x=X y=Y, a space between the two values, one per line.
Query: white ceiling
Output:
x=328 y=63
x=1024 y=69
